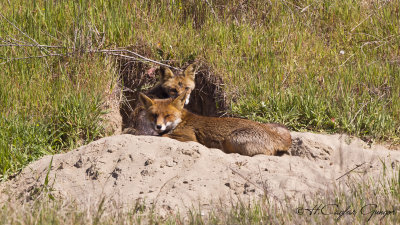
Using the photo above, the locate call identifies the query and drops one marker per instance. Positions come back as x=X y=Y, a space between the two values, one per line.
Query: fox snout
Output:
x=161 y=126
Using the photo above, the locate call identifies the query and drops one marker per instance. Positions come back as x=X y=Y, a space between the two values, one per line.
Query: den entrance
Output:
x=207 y=99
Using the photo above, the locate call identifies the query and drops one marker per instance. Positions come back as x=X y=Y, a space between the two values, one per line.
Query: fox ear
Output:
x=190 y=71
x=166 y=73
x=179 y=102
x=146 y=101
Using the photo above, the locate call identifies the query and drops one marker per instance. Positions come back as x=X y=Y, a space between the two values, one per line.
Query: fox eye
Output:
x=187 y=88
x=154 y=116
x=173 y=91
x=168 y=115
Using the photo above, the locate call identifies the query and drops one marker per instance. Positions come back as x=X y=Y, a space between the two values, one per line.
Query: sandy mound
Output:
x=172 y=175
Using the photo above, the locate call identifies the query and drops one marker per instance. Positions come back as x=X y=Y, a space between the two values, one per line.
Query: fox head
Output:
x=175 y=85
x=164 y=114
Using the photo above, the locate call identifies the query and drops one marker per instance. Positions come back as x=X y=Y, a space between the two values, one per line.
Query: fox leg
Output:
x=182 y=137
x=129 y=130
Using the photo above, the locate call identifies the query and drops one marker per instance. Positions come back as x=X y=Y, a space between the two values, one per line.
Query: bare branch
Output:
x=362 y=107
x=212 y=9
x=124 y=56
x=351 y=170
x=30 y=45
x=15 y=40
x=136 y=54
x=23 y=32
x=29 y=57
x=114 y=52
x=346 y=60
x=367 y=17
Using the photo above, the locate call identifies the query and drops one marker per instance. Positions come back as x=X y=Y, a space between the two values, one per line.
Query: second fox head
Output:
x=174 y=85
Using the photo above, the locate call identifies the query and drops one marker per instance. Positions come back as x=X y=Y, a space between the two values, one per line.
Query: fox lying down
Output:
x=232 y=135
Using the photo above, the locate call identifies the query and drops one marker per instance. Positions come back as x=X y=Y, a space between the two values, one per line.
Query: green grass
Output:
x=330 y=66
x=322 y=66
x=50 y=104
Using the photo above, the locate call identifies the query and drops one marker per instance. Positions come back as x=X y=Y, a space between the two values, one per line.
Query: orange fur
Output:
x=232 y=135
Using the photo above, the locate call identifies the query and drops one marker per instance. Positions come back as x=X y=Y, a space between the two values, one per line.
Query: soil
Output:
x=171 y=176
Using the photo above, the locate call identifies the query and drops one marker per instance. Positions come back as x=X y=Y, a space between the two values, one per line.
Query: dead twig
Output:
x=30 y=57
x=162 y=187
x=114 y=52
x=357 y=166
x=30 y=45
x=34 y=41
x=367 y=17
x=251 y=182
x=362 y=107
x=107 y=51
x=212 y=9
x=347 y=60
x=246 y=178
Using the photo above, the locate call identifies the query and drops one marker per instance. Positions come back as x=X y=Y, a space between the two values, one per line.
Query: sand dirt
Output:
x=174 y=176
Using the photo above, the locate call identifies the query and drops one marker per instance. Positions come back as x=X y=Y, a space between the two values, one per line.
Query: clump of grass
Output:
x=22 y=141
x=52 y=103
x=76 y=121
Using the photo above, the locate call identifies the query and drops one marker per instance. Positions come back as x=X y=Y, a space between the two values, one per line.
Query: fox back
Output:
x=232 y=135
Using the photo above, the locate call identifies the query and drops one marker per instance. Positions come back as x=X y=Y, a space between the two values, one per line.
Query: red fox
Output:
x=170 y=86
x=232 y=135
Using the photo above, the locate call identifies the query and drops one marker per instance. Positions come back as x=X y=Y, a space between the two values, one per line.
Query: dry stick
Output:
x=250 y=181
x=305 y=8
x=357 y=166
x=347 y=60
x=30 y=45
x=245 y=178
x=44 y=50
x=212 y=9
x=125 y=56
x=105 y=51
x=136 y=54
x=15 y=41
x=162 y=187
x=296 y=6
x=37 y=44
x=108 y=53
x=367 y=17
x=136 y=59
x=29 y=57
x=362 y=107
